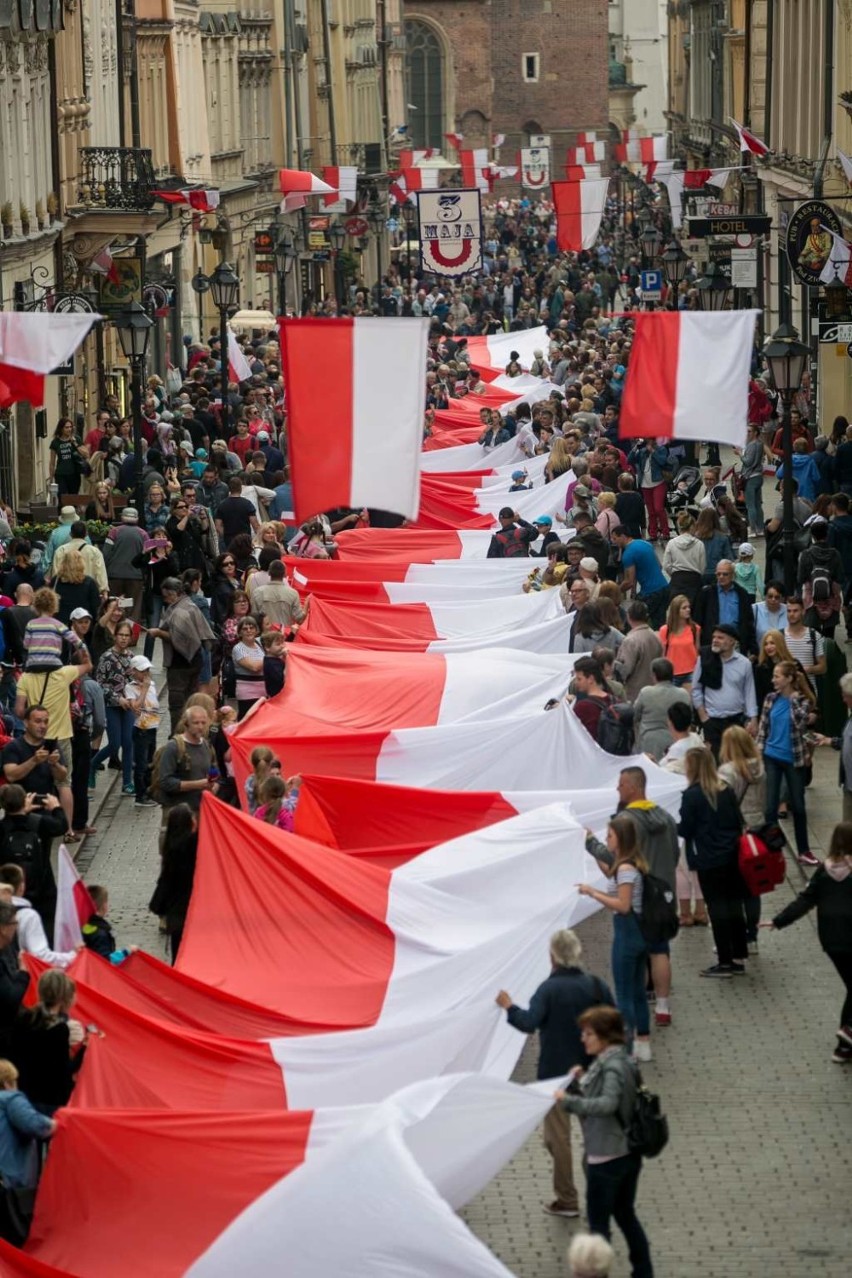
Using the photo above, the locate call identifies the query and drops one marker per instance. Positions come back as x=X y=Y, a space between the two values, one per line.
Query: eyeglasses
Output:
x=180 y=505
x=228 y=563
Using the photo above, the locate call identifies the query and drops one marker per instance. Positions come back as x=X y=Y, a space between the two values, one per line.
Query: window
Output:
x=424 y=78
x=529 y=67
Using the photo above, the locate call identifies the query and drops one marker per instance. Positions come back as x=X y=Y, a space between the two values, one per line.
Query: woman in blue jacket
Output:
x=649 y=462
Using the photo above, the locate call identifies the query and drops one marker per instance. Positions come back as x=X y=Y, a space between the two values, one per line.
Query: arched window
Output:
x=424 y=80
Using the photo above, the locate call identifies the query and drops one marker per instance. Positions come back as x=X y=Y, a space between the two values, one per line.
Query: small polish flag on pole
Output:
x=374 y=399
x=239 y=369
x=688 y=376
x=74 y=906
x=579 y=209
x=748 y=140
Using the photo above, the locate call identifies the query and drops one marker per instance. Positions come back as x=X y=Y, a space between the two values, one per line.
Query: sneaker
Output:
x=842 y=1054
x=807 y=858
x=92 y=780
x=718 y=970
x=146 y=802
x=738 y=969
x=845 y=1034
x=558 y=1208
x=128 y=789
x=642 y=1049
x=662 y=1018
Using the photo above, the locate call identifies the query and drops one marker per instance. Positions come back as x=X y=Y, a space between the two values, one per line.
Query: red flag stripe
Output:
x=650 y=393
x=327 y=483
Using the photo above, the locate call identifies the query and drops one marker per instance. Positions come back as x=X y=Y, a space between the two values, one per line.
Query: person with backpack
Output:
x=30 y=823
x=604 y=1099
x=181 y=769
x=711 y=825
x=553 y=1011
x=820 y=580
x=592 y=696
x=625 y=866
x=805 y=644
x=514 y=538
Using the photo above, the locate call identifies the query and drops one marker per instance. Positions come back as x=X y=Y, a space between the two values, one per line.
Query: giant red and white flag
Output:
x=74 y=906
x=169 y=1219
x=32 y=343
x=839 y=264
x=238 y=366
x=368 y=451
x=750 y=141
x=490 y=355
x=688 y=376
x=344 y=181
x=297 y=184
x=579 y=209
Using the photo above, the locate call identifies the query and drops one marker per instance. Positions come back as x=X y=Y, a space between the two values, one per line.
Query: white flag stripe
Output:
x=389 y=368
x=714 y=361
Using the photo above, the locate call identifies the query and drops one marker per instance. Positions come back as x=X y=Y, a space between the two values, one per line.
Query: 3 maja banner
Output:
x=450 y=227
x=535 y=166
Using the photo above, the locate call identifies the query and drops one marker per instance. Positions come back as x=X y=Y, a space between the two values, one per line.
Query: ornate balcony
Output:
x=116 y=178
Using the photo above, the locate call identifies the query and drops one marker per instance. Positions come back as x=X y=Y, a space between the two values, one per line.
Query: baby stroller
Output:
x=683 y=490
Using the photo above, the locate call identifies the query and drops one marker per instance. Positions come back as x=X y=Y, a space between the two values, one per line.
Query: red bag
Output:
x=761 y=866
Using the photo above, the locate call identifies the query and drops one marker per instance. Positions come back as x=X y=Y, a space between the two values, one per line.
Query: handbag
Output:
x=761 y=859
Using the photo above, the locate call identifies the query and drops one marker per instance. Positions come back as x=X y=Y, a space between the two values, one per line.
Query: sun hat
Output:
x=79 y=613
x=68 y=515
x=130 y=515
x=140 y=663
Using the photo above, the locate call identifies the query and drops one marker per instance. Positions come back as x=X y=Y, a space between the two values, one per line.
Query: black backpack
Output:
x=514 y=542
x=659 y=917
x=22 y=847
x=615 y=728
x=647 y=1129
x=820 y=584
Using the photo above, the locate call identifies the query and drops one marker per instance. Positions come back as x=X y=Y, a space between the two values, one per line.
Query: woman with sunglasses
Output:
x=222 y=585
x=186 y=531
x=248 y=666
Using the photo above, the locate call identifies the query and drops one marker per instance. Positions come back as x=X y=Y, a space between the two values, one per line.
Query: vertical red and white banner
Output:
x=475 y=169
x=368 y=451
x=450 y=231
x=579 y=209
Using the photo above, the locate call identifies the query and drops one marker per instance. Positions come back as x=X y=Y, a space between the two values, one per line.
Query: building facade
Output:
x=638 y=36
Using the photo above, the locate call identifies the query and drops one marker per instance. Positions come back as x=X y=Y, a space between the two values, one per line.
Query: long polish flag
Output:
x=536 y=752
x=579 y=210
x=32 y=344
x=258 y=1199
x=452 y=506
x=379 y=372
x=491 y=354
x=417 y=583
x=472 y=457
x=448 y=628
x=688 y=376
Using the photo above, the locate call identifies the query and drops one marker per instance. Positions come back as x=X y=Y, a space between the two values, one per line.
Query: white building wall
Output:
x=639 y=29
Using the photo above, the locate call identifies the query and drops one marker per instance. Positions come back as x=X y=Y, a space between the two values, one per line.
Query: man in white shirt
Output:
x=806 y=646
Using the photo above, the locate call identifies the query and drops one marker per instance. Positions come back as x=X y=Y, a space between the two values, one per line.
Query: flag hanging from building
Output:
x=587 y=153
x=200 y=200
x=450 y=231
x=535 y=166
x=297 y=184
x=373 y=400
x=343 y=180
x=475 y=165
x=577 y=172
x=839 y=264
x=748 y=140
x=688 y=376
x=32 y=344
x=579 y=209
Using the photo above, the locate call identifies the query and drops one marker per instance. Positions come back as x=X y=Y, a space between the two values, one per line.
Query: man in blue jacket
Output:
x=553 y=1011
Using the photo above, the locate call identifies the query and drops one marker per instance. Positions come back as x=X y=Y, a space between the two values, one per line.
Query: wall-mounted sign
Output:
x=122 y=286
x=808 y=240
x=741 y=224
x=318 y=240
x=535 y=166
x=450 y=231
x=264 y=242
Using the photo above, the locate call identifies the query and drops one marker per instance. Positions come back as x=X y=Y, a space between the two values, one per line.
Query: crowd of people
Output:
x=684 y=652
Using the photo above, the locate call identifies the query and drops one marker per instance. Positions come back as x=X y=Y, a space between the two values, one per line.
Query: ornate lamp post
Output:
x=224 y=287
x=787 y=358
x=134 y=329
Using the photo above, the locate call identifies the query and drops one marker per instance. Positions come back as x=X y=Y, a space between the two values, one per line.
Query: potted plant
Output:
x=41 y=215
x=24 y=214
x=6 y=219
x=846 y=101
x=53 y=206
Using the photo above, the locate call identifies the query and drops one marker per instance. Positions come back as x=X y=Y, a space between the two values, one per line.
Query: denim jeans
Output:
x=119 y=737
x=611 y=1193
x=754 y=503
x=776 y=772
x=629 y=964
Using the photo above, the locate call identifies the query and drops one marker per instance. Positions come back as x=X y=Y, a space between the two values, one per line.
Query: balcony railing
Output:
x=116 y=177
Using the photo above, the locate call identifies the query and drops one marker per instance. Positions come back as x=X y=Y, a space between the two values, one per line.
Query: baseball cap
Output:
x=263 y=434
x=519 y=474
x=590 y=565
x=201 y=454
x=79 y=613
x=186 y=447
x=544 y=520
x=140 y=663
x=746 y=549
x=580 y=490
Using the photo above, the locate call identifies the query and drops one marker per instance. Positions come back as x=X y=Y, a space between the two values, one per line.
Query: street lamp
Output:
x=337 y=237
x=714 y=289
x=134 y=329
x=224 y=286
x=285 y=259
x=837 y=298
x=651 y=242
x=675 y=264
x=787 y=358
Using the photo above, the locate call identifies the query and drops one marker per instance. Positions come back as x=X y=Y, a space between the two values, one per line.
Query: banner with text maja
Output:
x=370 y=454
x=688 y=376
x=535 y=166
x=579 y=209
x=450 y=231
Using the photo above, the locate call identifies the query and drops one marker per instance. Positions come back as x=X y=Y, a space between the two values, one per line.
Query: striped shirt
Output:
x=43 y=642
